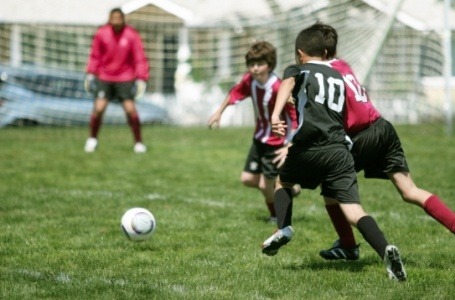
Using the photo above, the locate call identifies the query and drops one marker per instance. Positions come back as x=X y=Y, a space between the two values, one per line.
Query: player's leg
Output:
x=249 y=179
x=102 y=93
x=345 y=247
x=252 y=169
x=254 y=180
x=343 y=187
x=298 y=168
x=431 y=203
x=396 y=168
x=265 y=185
x=267 y=155
x=125 y=93
x=253 y=176
x=283 y=207
x=134 y=122
x=267 y=188
x=99 y=107
x=371 y=232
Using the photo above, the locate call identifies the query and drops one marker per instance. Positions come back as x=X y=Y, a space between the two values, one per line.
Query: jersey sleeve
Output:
x=291 y=71
x=241 y=90
x=140 y=60
x=94 y=59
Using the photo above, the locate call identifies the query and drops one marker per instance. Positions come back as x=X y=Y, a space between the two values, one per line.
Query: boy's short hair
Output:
x=330 y=37
x=311 y=41
x=261 y=51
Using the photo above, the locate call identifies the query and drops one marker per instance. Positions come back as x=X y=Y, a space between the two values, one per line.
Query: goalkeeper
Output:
x=117 y=69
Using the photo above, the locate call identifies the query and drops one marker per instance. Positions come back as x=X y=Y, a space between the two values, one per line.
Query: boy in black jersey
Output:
x=319 y=154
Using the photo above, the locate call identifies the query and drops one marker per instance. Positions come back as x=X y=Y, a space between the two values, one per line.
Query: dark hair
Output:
x=117 y=10
x=261 y=51
x=311 y=41
x=330 y=37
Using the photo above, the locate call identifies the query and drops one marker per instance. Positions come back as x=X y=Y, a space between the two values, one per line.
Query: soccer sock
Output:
x=135 y=124
x=434 y=207
x=95 y=124
x=283 y=207
x=271 y=208
x=372 y=234
x=341 y=225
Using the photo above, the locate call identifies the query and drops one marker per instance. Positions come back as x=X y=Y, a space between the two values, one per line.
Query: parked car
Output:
x=34 y=96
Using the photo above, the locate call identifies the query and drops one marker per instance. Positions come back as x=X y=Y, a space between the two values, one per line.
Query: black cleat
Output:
x=338 y=252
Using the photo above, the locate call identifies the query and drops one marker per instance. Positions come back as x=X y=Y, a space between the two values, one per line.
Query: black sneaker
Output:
x=392 y=260
x=338 y=252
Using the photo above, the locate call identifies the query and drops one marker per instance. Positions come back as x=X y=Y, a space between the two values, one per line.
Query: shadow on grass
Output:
x=351 y=266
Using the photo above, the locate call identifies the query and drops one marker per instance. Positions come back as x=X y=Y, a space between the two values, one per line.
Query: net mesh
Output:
x=193 y=64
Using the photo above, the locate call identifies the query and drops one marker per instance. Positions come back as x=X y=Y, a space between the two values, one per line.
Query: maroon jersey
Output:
x=360 y=112
x=118 y=56
x=264 y=99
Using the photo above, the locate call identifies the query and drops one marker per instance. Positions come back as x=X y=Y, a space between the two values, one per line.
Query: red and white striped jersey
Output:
x=264 y=99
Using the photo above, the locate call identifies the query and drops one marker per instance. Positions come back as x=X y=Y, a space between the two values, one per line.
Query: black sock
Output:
x=283 y=207
x=372 y=234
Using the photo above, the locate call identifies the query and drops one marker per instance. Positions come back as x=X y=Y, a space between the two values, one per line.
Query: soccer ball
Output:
x=138 y=224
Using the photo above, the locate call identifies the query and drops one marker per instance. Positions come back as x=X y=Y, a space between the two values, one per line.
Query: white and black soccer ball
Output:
x=138 y=224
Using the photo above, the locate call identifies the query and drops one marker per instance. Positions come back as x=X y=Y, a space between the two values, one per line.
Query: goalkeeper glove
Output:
x=90 y=83
x=140 y=87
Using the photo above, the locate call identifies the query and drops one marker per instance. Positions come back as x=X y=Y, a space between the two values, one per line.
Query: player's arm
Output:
x=291 y=116
x=141 y=67
x=214 y=120
x=239 y=92
x=284 y=93
x=94 y=61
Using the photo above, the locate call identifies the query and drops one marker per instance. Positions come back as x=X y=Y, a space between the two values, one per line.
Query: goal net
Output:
x=196 y=52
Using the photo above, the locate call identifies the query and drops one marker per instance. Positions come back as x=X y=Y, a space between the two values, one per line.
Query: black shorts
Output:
x=377 y=151
x=331 y=167
x=115 y=91
x=259 y=159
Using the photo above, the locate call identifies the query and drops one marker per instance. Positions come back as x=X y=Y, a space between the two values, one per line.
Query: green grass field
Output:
x=60 y=213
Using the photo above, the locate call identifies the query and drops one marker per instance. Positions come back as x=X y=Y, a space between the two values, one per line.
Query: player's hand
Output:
x=278 y=127
x=140 y=86
x=214 y=121
x=90 y=83
x=280 y=156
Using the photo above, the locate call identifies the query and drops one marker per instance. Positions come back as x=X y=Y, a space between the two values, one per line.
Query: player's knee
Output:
x=249 y=180
x=409 y=194
x=98 y=113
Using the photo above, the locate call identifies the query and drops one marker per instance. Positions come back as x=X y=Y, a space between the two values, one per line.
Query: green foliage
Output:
x=60 y=211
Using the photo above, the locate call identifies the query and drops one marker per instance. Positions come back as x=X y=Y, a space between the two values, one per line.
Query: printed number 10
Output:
x=334 y=104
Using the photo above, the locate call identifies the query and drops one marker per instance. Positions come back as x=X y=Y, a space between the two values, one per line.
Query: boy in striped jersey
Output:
x=267 y=151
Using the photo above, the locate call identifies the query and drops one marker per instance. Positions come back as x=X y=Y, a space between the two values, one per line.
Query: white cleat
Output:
x=140 y=148
x=90 y=145
x=280 y=238
x=392 y=260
